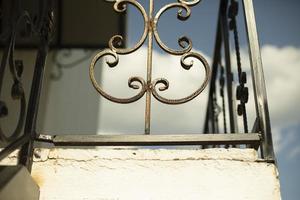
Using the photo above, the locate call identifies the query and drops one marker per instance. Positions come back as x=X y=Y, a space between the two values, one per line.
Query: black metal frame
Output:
x=262 y=122
x=260 y=136
x=41 y=28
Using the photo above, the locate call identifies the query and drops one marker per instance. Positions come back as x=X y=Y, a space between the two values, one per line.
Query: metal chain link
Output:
x=222 y=83
x=242 y=93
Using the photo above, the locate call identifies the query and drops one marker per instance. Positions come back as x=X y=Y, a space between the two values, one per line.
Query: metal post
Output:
x=149 y=69
x=260 y=93
x=216 y=58
x=26 y=153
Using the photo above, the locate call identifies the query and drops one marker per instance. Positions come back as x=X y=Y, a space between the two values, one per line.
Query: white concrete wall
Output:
x=110 y=174
x=71 y=105
x=67 y=105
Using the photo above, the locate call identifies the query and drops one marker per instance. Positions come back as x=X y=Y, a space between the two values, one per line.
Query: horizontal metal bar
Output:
x=252 y=139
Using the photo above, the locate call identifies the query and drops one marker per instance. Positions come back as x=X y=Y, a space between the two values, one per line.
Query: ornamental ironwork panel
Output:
x=151 y=87
x=224 y=92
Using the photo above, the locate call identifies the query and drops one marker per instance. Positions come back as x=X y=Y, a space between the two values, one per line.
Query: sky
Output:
x=279 y=34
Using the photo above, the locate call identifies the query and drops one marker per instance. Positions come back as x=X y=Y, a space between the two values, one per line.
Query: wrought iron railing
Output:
x=39 y=27
x=149 y=86
x=227 y=24
x=219 y=77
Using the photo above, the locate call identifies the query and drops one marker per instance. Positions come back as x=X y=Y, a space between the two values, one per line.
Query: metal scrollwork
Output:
x=184 y=42
x=189 y=2
x=186 y=66
x=17 y=91
x=116 y=41
x=130 y=81
x=33 y=27
x=151 y=31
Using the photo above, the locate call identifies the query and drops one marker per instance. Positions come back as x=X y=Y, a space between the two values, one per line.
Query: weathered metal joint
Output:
x=233 y=9
x=17 y=90
x=3 y=109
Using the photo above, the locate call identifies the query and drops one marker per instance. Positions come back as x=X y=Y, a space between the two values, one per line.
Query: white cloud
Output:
x=281 y=67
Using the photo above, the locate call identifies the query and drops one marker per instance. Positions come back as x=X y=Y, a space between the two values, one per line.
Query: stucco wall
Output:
x=110 y=174
x=68 y=104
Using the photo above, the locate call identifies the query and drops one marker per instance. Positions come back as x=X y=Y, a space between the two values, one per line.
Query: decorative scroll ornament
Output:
x=16 y=69
x=150 y=25
x=38 y=28
x=151 y=31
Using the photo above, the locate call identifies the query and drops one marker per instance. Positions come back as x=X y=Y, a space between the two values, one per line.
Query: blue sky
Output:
x=279 y=34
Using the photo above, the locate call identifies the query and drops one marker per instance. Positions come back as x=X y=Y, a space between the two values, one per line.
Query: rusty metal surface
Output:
x=149 y=86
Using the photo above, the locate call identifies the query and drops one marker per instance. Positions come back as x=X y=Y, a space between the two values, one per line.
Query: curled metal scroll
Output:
x=186 y=66
x=184 y=42
x=116 y=41
x=17 y=90
x=130 y=81
x=150 y=26
x=189 y=2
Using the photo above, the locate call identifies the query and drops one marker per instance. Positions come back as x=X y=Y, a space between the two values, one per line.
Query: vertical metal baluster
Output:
x=212 y=87
x=222 y=82
x=229 y=75
x=242 y=91
x=26 y=152
x=149 y=69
